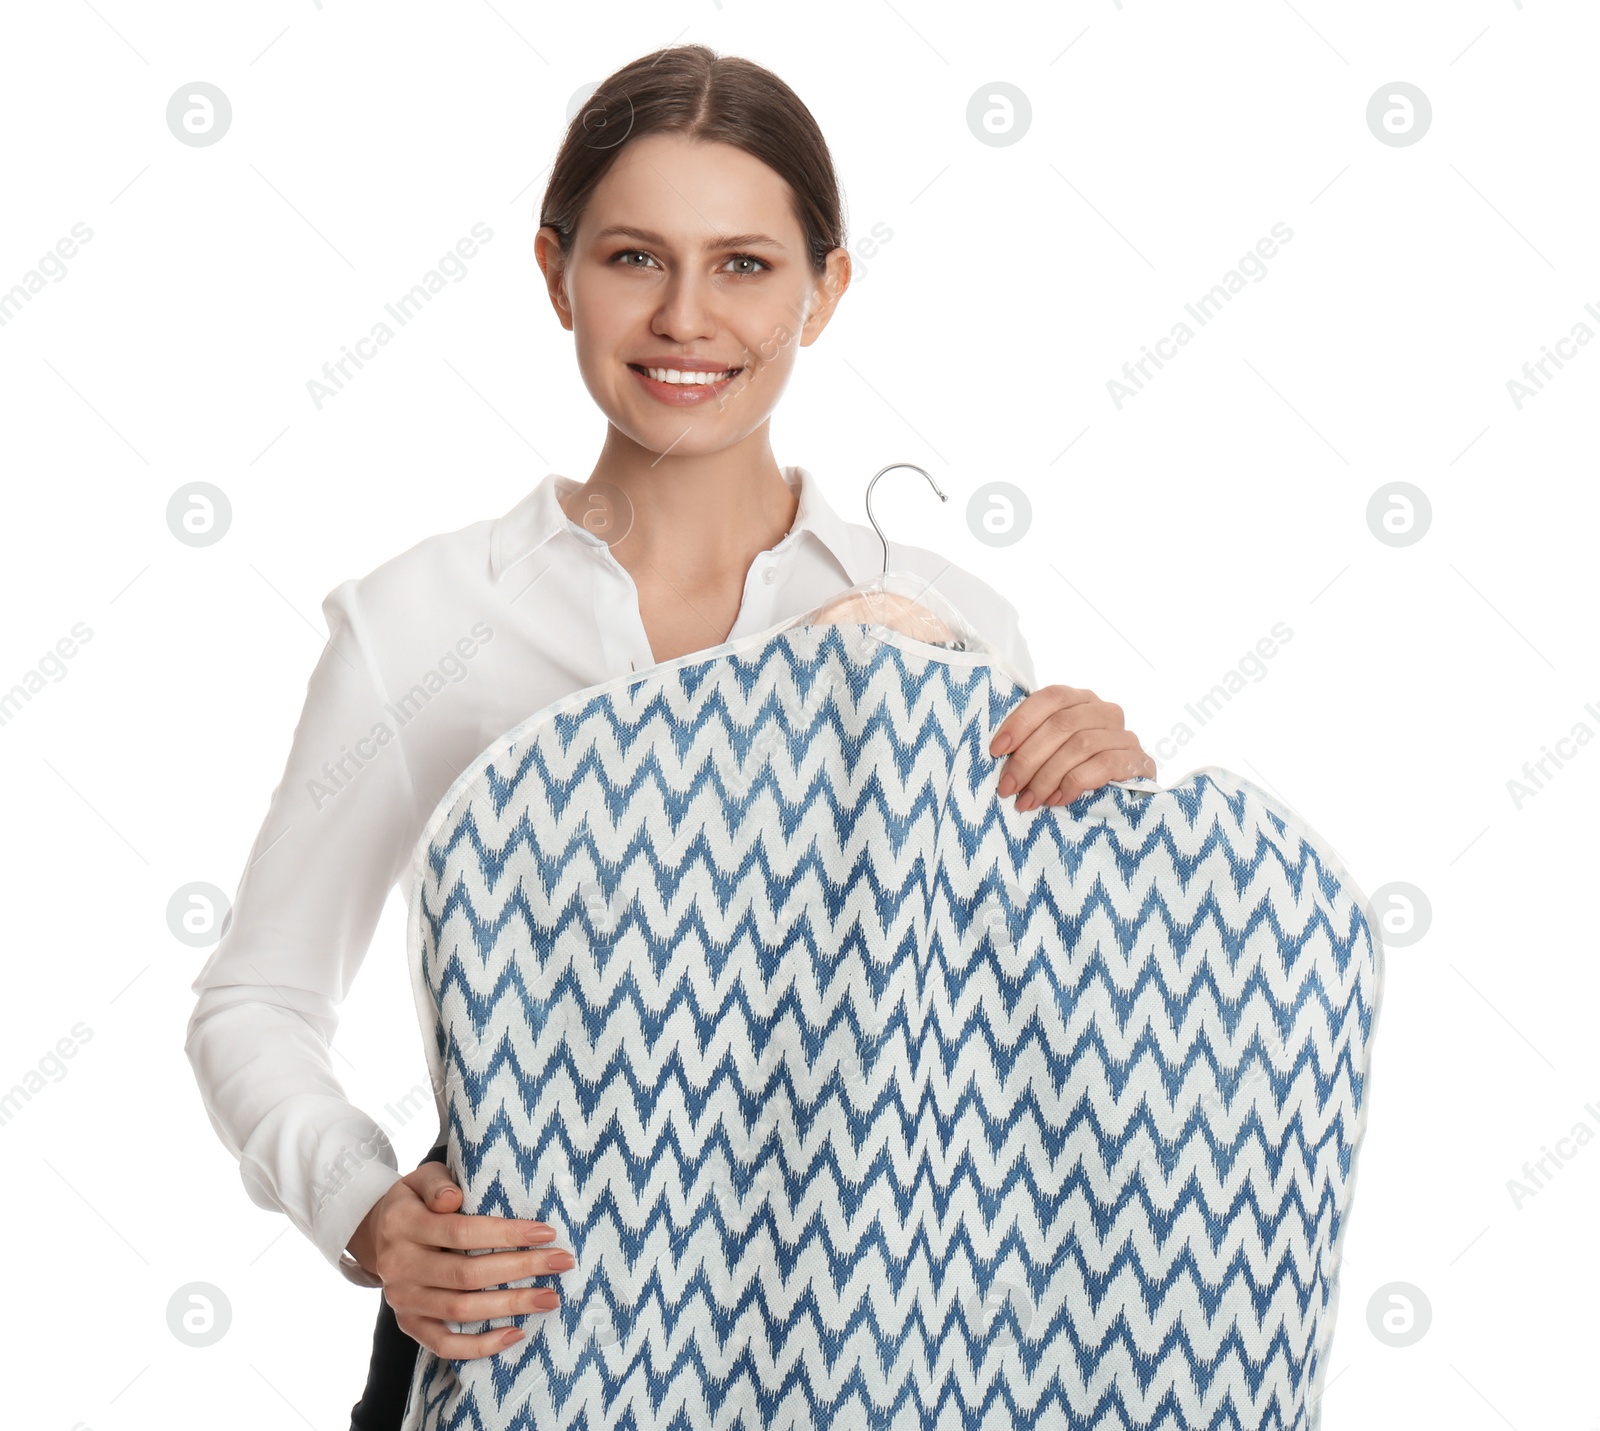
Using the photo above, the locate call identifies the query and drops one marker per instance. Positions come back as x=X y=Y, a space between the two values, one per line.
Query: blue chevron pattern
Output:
x=863 y=1099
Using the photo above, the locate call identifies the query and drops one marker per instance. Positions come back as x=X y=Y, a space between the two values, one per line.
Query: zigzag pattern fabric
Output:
x=863 y=1099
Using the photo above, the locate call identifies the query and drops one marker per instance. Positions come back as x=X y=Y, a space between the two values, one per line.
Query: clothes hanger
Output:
x=872 y=519
x=900 y=600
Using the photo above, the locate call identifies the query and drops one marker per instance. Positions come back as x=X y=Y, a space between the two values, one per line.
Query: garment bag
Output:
x=865 y=1100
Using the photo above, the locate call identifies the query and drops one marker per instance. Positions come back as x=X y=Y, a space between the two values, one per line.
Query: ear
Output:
x=828 y=288
x=552 y=263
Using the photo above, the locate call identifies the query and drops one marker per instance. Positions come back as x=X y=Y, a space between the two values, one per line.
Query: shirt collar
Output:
x=539 y=516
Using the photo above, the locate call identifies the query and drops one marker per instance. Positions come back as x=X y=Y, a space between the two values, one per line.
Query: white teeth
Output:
x=684 y=375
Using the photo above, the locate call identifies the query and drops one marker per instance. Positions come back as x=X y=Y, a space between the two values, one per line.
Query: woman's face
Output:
x=688 y=256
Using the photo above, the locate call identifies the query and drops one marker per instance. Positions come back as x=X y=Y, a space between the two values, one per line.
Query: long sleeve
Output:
x=335 y=838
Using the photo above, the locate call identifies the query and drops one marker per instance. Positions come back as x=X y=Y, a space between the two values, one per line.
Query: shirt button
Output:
x=769 y=576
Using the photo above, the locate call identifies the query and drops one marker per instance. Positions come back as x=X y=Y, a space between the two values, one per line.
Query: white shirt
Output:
x=430 y=656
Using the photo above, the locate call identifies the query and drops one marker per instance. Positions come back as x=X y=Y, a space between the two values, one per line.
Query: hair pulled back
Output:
x=692 y=91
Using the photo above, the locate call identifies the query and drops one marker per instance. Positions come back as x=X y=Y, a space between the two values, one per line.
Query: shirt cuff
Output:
x=334 y=1223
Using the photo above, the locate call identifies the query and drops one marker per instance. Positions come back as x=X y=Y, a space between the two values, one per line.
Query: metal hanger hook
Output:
x=874 y=520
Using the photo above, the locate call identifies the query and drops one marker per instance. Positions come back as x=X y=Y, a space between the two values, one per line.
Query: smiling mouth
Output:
x=686 y=377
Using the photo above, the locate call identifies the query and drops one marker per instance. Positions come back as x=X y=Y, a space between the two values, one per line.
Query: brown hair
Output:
x=692 y=91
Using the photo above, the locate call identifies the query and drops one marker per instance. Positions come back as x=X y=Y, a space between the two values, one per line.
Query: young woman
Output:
x=692 y=243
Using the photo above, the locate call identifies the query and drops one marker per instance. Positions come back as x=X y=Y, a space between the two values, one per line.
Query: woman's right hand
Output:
x=415 y=1240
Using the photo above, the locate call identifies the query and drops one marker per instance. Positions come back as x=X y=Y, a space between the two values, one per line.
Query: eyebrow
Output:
x=715 y=242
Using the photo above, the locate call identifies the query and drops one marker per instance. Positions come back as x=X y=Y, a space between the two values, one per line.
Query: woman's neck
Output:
x=692 y=520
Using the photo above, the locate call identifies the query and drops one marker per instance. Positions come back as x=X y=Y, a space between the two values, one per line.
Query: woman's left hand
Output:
x=1063 y=743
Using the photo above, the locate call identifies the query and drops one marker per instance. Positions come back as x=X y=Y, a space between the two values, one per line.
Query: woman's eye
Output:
x=631 y=253
x=760 y=263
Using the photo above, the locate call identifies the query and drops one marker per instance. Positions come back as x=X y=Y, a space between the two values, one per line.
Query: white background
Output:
x=1169 y=535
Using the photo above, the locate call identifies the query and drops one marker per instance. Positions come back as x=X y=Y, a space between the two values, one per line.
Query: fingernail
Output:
x=1025 y=800
x=1007 y=785
x=1002 y=744
x=510 y=1337
x=561 y=1261
x=541 y=1231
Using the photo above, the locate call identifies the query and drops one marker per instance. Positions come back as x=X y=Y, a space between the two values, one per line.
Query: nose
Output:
x=687 y=308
